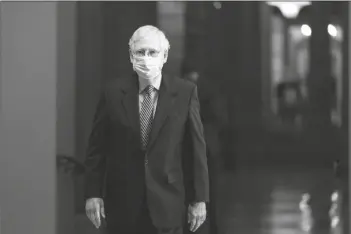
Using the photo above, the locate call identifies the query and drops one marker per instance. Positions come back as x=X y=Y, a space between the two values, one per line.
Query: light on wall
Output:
x=307 y=31
x=332 y=30
x=289 y=9
x=217 y=5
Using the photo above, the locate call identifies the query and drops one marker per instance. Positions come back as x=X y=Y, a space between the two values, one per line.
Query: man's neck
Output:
x=154 y=82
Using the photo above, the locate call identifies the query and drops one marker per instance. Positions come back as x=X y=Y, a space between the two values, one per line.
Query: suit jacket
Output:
x=120 y=172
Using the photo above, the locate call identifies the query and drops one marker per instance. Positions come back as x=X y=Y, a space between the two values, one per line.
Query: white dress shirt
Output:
x=156 y=83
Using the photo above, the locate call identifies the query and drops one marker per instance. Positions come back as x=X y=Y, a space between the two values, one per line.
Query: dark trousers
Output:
x=145 y=225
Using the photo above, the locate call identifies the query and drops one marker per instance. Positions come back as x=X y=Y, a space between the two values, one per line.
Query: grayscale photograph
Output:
x=174 y=117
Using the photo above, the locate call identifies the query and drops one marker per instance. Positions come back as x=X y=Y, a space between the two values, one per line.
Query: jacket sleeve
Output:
x=197 y=154
x=95 y=161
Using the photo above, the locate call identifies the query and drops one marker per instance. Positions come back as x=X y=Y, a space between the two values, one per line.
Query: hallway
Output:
x=56 y=56
x=274 y=201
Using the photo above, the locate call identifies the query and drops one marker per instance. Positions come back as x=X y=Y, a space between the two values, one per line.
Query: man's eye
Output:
x=153 y=52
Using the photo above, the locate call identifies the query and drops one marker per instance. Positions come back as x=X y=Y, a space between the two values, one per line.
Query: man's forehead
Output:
x=152 y=42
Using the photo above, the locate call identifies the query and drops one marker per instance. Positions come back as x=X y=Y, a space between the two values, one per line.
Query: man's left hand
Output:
x=196 y=215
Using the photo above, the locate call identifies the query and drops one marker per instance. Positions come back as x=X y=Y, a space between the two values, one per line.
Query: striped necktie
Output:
x=146 y=115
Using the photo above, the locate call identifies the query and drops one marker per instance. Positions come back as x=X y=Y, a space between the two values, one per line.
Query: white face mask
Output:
x=147 y=67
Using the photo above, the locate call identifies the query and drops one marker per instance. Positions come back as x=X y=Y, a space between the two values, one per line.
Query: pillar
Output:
x=286 y=35
x=171 y=20
x=345 y=71
x=345 y=136
x=89 y=79
x=121 y=19
x=267 y=92
x=245 y=67
x=28 y=117
x=319 y=80
x=320 y=138
x=241 y=59
x=196 y=31
x=66 y=112
x=320 y=134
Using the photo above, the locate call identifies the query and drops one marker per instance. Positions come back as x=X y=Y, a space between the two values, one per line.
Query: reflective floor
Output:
x=280 y=201
x=276 y=200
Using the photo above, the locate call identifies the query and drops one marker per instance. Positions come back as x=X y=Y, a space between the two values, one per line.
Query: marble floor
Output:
x=274 y=200
x=280 y=200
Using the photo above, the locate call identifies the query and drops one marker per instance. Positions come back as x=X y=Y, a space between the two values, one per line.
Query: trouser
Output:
x=145 y=225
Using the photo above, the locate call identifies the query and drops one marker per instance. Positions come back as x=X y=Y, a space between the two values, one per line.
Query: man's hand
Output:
x=196 y=215
x=94 y=208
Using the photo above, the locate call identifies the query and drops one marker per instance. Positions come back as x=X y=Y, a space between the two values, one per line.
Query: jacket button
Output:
x=146 y=161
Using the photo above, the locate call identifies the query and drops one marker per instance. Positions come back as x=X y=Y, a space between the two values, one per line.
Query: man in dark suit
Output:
x=136 y=173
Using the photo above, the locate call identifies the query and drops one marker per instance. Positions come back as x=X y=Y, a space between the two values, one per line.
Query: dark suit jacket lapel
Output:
x=166 y=99
x=130 y=101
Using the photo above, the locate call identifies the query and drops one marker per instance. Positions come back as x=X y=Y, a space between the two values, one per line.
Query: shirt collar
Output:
x=155 y=83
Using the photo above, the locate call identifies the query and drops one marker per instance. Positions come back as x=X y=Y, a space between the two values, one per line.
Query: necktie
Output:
x=146 y=115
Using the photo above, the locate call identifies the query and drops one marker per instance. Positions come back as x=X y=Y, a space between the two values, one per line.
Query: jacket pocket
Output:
x=174 y=177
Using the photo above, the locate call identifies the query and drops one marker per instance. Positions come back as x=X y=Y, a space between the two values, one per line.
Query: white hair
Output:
x=147 y=31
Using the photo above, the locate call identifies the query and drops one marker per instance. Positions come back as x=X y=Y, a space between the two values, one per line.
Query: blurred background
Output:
x=279 y=75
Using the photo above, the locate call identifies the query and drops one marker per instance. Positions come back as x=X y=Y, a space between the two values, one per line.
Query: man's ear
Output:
x=165 y=56
x=131 y=57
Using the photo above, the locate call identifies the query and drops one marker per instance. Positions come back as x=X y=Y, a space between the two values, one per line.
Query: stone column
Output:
x=89 y=78
x=28 y=102
x=121 y=19
x=243 y=64
x=242 y=58
x=345 y=68
x=345 y=129
x=319 y=80
x=196 y=31
x=171 y=20
x=320 y=136
x=265 y=32
x=66 y=112
x=286 y=36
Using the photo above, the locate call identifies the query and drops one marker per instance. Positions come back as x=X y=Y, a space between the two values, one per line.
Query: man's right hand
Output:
x=94 y=208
